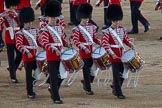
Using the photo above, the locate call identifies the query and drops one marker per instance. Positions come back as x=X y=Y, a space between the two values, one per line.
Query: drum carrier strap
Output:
x=55 y=32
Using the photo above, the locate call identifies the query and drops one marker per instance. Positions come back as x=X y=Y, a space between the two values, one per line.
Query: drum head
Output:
x=41 y=56
x=128 y=55
x=98 y=52
x=68 y=54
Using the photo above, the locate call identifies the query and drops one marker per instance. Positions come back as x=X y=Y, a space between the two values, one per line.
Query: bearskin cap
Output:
x=114 y=13
x=53 y=8
x=84 y=11
x=9 y=3
x=26 y=15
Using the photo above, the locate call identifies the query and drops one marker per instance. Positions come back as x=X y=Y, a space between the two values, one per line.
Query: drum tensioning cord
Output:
x=107 y=78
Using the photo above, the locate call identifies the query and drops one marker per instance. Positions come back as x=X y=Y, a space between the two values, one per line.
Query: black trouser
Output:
x=12 y=60
x=136 y=15
x=86 y=73
x=60 y=1
x=72 y=13
x=106 y=21
x=76 y=20
x=55 y=80
x=29 y=66
x=1 y=38
x=117 y=69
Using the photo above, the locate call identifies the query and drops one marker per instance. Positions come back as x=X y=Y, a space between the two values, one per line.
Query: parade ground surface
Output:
x=147 y=94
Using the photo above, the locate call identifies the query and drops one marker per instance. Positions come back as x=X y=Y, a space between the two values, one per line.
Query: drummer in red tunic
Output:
x=27 y=42
x=53 y=40
x=84 y=42
x=11 y=22
x=113 y=39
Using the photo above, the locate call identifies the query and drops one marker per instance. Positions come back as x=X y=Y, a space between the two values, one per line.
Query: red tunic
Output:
x=109 y=40
x=81 y=41
x=110 y=2
x=24 y=3
x=10 y=19
x=78 y=2
x=49 y=39
x=136 y=0
x=23 y=42
x=114 y=2
x=1 y=6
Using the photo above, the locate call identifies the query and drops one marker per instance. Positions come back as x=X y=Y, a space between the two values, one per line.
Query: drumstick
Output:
x=100 y=49
x=96 y=53
x=71 y=43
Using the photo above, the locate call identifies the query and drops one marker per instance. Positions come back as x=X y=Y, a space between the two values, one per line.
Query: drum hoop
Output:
x=70 y=57
x=126 y=52
x=38 y=56
x=95 y=50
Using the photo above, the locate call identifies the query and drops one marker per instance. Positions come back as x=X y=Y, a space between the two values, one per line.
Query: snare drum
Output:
x=41 y=60
x=101 y=58
x=71 y=60
x=133 y=60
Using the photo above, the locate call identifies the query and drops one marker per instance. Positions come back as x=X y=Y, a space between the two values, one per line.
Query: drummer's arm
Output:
x=105 y=43
x=38 y=39
x=75 y=38
x=45 y=41
x=95 y=37
x=127 y=41
x=64 y=40
x=19 y=44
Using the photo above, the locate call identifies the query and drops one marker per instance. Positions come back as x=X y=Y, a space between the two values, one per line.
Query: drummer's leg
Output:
x=53 y=67
x=29 y=83
x=86 y=74
x=116 y=78
x=121 y=70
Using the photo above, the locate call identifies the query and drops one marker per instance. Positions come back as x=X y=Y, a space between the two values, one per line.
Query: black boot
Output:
x=146 y=27
x=113 y=90
x=59 y=82
x=82 y=81
x=92 y=79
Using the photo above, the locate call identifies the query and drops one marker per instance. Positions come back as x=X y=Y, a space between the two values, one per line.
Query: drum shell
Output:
x=102 y=59
x=41 y=62
x=135 y=63
x=73 y=63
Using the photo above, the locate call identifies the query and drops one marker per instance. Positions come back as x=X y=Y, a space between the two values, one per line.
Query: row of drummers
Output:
x=52 y=38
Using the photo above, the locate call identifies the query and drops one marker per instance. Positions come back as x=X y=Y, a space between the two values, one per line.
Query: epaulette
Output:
x=2 y=14
x=124 y=28
x=61 y=17
x=44 y=29
x=75 y=28
x=105 y=31
x=94 y=27
x=18 y=32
